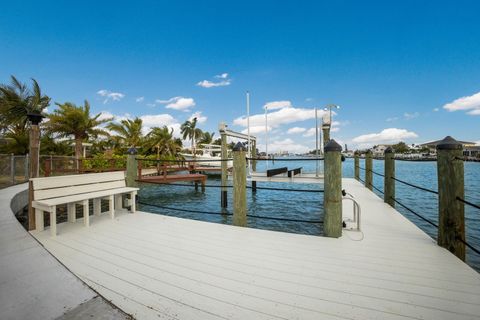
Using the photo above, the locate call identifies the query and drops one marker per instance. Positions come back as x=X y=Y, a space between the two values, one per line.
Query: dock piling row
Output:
x=239 y=185
x=451 y=212
x=389 y=183
x=332 y=201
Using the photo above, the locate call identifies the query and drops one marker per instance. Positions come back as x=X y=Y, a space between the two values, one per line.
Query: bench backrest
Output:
x=53 y=187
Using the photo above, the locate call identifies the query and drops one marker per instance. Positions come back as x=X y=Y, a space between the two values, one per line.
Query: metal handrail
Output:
x=356 y=209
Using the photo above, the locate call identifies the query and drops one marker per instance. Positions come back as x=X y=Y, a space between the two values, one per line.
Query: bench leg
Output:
x=86 y=214
x=97 y=209
x=71 y=212
x=53 y=221
x=133 y=205
x=111 y=210
x=118 y=201
x=39 y=224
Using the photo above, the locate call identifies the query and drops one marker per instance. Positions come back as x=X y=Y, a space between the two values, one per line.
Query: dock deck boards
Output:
x=155 y=266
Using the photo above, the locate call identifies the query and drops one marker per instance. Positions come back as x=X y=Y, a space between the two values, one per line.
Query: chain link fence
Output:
x=13 y=169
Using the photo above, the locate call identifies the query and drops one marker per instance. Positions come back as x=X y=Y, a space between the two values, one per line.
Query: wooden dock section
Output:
x=160 y=267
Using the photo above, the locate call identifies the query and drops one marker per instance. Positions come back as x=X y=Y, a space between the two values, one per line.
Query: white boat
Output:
x=208 y=152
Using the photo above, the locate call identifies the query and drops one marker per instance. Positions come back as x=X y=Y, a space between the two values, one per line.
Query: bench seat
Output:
x=47 y=203
x=48 y=193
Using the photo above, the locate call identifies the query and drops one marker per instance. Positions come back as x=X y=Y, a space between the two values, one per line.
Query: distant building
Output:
x=432 y=145
x=379 y=150
x=471 y=152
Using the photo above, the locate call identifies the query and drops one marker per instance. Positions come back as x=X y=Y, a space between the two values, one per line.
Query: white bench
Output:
x=48 y=193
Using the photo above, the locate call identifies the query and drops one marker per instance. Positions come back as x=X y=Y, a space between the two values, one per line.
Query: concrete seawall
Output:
x=33 y=284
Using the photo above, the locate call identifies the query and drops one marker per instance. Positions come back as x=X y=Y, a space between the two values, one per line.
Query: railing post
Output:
x=224 y=164
x=451 y=212
x=389 y=172
x=239 y=185
x=132 y=167
x=368 y=170
x=332 y=224
x=12 y=168
x=25 y=168
x=356 y=162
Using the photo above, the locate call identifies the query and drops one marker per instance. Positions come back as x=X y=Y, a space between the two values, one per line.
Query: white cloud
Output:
x=256 y=130
x=140 y=99
x=274 y=105
x=160 y=120
x=475 y=112
x=310 y=132
x=178 y=103
x=477 y=143
x=471 y=103
x=105 y=115
x=200 y=118
x=285 y=145
x=224 y=81
x=410 y=116
x=279 y=117
x=296 y=130
x=391 y=119
x=222 y=76
x=436 y=109
x=308 y=99
x=109 y=95
x=388 y=135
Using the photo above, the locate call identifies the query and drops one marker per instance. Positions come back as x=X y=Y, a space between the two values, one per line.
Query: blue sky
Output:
x=391 y=66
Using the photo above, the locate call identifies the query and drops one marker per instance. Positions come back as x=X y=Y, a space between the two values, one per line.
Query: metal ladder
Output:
x=356 y=208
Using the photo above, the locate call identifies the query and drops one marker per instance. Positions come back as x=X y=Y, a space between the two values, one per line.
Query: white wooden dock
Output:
x=155 y=266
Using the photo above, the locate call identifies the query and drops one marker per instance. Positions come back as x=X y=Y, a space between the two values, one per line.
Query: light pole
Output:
x=327 y=123
x=329 y=108
x=266 y=135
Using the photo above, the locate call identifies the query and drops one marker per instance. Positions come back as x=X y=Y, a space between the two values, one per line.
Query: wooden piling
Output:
x=254 y=186
x=389 y=172
x=332 y=222
x=224 y=155
x=356 y=161
x=368 y=170
x=239 y=186
x=132 y=168
x=34 y=152
x=451 y=212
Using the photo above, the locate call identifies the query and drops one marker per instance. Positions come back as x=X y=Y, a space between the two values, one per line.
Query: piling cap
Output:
x=132 y=150
x=239 y=147
x=389 y=150
x=332 y=145
x=448 y=143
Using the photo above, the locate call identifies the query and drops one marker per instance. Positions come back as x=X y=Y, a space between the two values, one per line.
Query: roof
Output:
x=434 y=143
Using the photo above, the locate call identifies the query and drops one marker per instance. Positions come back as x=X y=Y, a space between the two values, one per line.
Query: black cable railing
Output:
x=414 y=186
x=229 y=214
x=468 y=203
x=286 y=159
x=187 y=185
x=184 y=160
x=285 y=189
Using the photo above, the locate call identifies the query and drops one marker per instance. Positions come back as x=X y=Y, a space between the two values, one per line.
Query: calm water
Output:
x=308 y=206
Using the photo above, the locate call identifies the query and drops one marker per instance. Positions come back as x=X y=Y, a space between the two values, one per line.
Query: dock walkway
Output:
x=155 y=266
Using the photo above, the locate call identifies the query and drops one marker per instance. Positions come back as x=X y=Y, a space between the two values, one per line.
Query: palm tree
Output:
x=206 y=138
x=71 y=120
x=162 y=140
x=189 y=130
x=17 y=101
x=129 y=132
